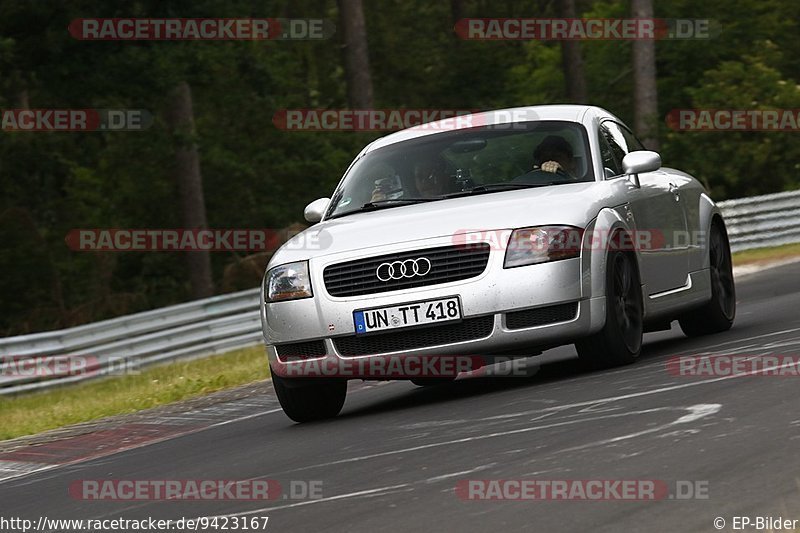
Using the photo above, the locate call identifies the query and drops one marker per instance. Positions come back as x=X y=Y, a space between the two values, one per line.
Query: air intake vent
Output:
x=541 y=315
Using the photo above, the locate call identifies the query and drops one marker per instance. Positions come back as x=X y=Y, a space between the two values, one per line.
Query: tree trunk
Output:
x=571 y=59
x=457 y=10
x=190 y=187
x=645 y=94
x=356 y=58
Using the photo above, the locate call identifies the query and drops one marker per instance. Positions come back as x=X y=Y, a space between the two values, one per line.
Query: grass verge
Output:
x=36 y=412
x=764 y=255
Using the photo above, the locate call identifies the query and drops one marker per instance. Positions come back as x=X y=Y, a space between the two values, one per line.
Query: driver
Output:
x=554 y=153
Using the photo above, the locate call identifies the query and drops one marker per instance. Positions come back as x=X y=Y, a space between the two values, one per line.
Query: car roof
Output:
x=566 y=112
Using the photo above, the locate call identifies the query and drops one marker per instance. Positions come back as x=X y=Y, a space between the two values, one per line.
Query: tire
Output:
x=304 y=400
x=620 y=340
x=718 y=313
x=431 y=382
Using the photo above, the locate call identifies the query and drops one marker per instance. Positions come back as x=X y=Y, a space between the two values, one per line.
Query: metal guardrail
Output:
x=222 y=323
x=758 y=221
x=195 y=329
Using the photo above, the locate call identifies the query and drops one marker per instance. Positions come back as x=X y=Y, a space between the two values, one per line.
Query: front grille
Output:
x=541 y=316
x=466 y=330
x=301 y=350
x=448 y=263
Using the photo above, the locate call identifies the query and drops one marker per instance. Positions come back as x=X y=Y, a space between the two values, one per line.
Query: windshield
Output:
x=476 y=160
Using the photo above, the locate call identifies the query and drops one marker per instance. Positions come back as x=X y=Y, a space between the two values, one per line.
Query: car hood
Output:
x=572 y=204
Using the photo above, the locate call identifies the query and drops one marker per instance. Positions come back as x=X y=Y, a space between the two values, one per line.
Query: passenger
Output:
x=430 y=180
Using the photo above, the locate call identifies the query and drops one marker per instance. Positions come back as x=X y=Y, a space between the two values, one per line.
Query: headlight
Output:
x=528 y=246
x=288 y=282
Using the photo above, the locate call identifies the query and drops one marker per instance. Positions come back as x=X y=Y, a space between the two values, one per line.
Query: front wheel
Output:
x=718 y=313
x=620 y=340
x=307 y=399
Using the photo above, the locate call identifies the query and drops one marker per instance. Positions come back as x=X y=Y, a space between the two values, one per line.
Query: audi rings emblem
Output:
x=403 y=269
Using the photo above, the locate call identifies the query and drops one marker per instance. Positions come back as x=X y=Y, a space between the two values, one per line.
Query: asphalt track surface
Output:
x=392 y=459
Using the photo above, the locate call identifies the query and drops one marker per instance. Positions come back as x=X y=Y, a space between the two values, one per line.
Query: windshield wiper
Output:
x=397 y=201
x=384 y=204
x=494 y=187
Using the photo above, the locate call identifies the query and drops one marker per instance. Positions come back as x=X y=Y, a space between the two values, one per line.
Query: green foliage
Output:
x=735 y=164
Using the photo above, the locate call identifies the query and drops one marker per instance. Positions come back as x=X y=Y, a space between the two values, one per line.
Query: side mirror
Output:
x=314 y=211
x=642 y=161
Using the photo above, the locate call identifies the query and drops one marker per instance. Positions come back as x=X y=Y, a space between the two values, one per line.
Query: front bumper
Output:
x=491 y=302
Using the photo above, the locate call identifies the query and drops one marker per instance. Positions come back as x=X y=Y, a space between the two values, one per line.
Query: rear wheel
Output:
x=620 y=340
x=718 y=313
x=304 y=400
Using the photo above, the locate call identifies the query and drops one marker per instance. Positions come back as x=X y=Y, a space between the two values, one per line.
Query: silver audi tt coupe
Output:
x=493 y=234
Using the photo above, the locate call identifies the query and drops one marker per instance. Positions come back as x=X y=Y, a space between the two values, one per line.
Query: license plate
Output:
x=407 y=315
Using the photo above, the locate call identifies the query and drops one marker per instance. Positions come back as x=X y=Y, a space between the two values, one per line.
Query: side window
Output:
x=623 y=136
x=630 y=139
x=611 y=152
x=616 y=136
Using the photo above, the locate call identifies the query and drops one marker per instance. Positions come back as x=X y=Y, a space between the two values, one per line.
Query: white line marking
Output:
x=434 y=479
x=380 y=491
x=477 y=437
x=696 y=412
x=792 y=330
x=699 y=411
